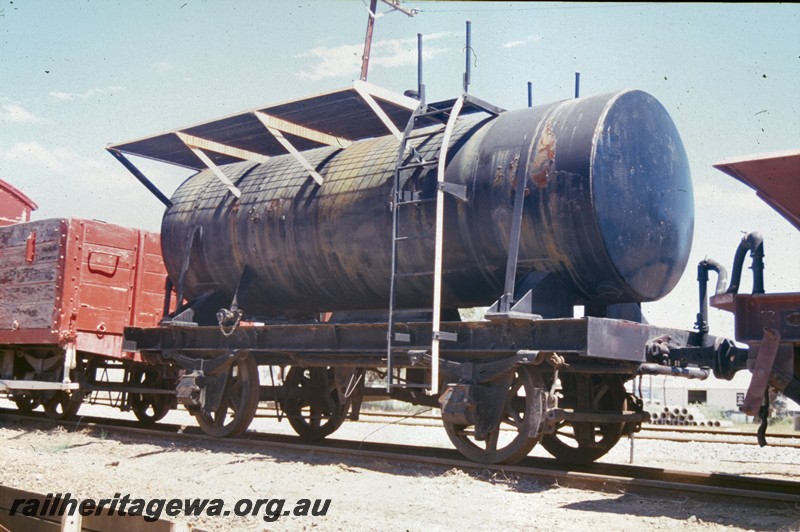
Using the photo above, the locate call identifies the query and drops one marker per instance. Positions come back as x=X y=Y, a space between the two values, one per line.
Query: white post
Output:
x=439 y=245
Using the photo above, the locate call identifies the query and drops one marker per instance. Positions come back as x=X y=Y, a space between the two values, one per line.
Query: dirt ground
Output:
x=376 y=495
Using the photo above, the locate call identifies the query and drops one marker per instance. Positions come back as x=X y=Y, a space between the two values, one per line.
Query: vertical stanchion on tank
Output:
x=530 y=94
x=468 y=70
x=420 y=88
x=437 y=334
x=577 y=84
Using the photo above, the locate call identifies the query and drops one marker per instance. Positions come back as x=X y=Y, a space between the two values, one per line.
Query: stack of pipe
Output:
x=682 y=417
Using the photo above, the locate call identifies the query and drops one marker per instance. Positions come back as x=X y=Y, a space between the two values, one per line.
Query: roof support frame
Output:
x=140 y=176
x=290 y=148
x=369 y=92
x=379 y=92
x=209 y=145
x=217 y=171
x=301 y=131
x=335 y=119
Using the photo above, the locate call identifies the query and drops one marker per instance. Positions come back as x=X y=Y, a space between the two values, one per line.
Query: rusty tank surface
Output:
x=608 y=210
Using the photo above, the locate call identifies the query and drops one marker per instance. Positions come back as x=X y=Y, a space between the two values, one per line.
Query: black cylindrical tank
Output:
x=608 y=209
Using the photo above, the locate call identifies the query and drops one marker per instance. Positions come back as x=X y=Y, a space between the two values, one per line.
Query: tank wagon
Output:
x=68 y=287
x=334 y=239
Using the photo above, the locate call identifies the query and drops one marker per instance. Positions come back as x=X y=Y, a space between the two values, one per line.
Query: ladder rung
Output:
x=471 y=102
x=414 y=385
x=446 y=336
x=420 y=164
x=412 y=274
x=415 y=201
x=432 y=112
x=416 y=237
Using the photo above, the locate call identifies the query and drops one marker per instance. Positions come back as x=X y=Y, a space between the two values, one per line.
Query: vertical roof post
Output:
x=468 y=70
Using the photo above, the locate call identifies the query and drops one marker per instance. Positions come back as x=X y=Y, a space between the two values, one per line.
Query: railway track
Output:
x=424 y=418
x=598 y=476
x=648 y=432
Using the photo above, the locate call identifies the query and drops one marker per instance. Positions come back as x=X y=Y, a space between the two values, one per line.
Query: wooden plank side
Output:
x=29 y=279
x=90 y=523
x=105 y=234
x=149 y=309
x=28 y=524
x=109 y=345
x=18 y=313
x=24 y=274
x=17 y=234
x=107 y=264
x=104 y=296
x=21 y=522
x=154 y=282
x=102 y=261
x=120 y=281
x=153 y=263
x=149 y=295
x=44 y=251
x=30 y=256
x=102 y=321
x=29 y=336
x=63 y=277
x=128 y=523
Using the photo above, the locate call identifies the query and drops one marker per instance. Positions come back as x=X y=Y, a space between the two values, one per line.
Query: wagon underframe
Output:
x=354 y=344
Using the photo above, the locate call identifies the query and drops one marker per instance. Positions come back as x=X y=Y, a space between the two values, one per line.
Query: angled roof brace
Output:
x=301 y=131
x=209 y=145
x=140 y=176
x=369 y=92
x=277 y=127
x=210 y=164
x=296 y=154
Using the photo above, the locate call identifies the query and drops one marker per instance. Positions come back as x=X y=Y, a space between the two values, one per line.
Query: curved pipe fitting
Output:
x=703 y=267
x=753 y=242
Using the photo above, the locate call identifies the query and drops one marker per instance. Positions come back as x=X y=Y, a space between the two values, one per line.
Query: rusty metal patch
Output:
x=544 y=158
x=498 y=176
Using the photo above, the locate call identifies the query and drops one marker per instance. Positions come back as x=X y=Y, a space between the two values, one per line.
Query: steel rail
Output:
x=680 y=434
x=600 y=477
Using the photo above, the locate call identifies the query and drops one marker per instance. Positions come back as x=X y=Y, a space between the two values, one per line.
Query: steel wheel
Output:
x=312 y=405
x=238 y=403
x=522 y=414
x=149 y=407
x=583 y=443
x=63 y=405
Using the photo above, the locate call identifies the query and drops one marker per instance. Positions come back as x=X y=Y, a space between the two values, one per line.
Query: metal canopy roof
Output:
x=335 y=118
x=775 y=178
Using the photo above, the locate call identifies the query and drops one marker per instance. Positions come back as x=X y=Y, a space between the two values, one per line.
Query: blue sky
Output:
x=76 y=76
